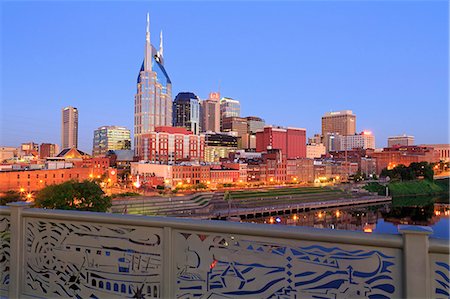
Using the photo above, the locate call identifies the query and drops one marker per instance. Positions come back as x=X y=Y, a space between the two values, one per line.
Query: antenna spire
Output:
x=161 y=49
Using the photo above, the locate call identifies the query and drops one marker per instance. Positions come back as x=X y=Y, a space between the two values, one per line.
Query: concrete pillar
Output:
x=416 y=266
x=16 y=248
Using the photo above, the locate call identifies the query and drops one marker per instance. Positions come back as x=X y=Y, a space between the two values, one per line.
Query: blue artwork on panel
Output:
x=442 y=280
x=253 y=269
x=92 y=261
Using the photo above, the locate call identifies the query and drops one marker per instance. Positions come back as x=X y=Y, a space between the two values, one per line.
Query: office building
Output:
x=340 y=122
x=153 y=99
x=110 y=138
x=210 y=113
x=170 y=145
x=69 y=128
x=218 y=145
x=48 y=150
x=291 y=141
x=364 y=140
x=229 y=108
x=402 y=140
x=186 y=112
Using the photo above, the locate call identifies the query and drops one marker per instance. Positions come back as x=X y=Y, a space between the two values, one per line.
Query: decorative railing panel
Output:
x=91 y=260
x=440 y=273
x=5 y=238
x=212 y=265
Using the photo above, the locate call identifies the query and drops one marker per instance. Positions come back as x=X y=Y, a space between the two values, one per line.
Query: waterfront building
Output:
x=179 y=174
x=229 y=108
x=210 y=113
x=153 y=99
x=405 y=155
x=219 y=145
x=186 y=112
x=291 y=141
x=315 y=150
x=255 y=124
x=363 y=140
x=442 y=149
x=341 y=122
x=69 y=127
x=401 y=140
x=110 y=138
x=70 y=164
x=169 y=145
x=48 y=150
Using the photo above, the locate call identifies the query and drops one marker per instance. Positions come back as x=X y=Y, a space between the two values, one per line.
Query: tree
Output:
x=72 y=195
x=9 y=196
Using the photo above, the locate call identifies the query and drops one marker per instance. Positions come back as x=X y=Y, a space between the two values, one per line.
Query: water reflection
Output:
x=369 y=218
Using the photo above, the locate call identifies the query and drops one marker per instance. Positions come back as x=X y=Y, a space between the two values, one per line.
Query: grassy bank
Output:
x=412 y=188
x=417 y=188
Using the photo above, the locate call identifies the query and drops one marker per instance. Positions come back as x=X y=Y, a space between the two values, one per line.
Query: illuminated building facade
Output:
x=291 y=141
x=186 y=112
x=69 y=128
x=153 y=99
x=169 y=145
x=341 y=122
x=363 y=140
x=210 y=113
x=229 y=108
x=403 y=140
x=110 y=138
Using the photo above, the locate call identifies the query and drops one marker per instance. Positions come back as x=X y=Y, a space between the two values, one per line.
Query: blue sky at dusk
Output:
x=287 y=62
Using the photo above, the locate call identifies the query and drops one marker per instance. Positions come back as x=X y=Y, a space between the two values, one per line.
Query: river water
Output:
x=375 y=219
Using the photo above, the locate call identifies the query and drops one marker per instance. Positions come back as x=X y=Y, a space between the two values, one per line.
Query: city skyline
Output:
x=41 y=124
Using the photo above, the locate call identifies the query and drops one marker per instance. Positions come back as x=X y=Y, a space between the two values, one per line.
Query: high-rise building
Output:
x=186 y=112
x=291 y=141
x=402 y=140
x=365 y=140
x=153 y=99
x=229 y=108
x=48 y=150
x=210 y=113
x=69 y=128
x=341 y=122
x=110 y=138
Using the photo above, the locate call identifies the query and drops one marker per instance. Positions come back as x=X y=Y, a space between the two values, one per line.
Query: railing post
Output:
x=416 y=266
x=168 y=287
x=16 y=247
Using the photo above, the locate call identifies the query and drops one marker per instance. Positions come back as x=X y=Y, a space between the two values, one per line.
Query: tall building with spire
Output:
x=153 y=99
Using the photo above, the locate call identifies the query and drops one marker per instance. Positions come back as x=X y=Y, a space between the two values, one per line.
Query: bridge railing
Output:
x=53 y=253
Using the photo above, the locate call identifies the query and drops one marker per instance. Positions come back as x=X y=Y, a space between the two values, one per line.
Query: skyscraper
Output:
x=229 y=108
x=69 y=128
x=153 y=99
x=110 y=138
x=210 y=113
x=186 y=112
x=341 y=122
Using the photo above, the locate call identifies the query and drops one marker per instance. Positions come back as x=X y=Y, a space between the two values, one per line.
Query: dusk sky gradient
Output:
x=287 y=62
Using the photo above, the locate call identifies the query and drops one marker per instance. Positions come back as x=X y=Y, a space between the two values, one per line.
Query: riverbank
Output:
x=411 y=188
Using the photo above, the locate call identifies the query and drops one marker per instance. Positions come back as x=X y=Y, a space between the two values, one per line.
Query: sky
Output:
x=287 y=62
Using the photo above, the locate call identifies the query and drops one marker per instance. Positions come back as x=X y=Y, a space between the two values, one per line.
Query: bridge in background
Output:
x=53 y=253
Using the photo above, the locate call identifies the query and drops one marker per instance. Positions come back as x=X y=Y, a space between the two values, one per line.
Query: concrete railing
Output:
x=53 y=253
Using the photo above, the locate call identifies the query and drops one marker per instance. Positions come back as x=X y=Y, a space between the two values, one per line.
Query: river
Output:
x=384 y=218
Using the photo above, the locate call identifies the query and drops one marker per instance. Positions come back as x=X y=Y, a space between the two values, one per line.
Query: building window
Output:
x=18 y=176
